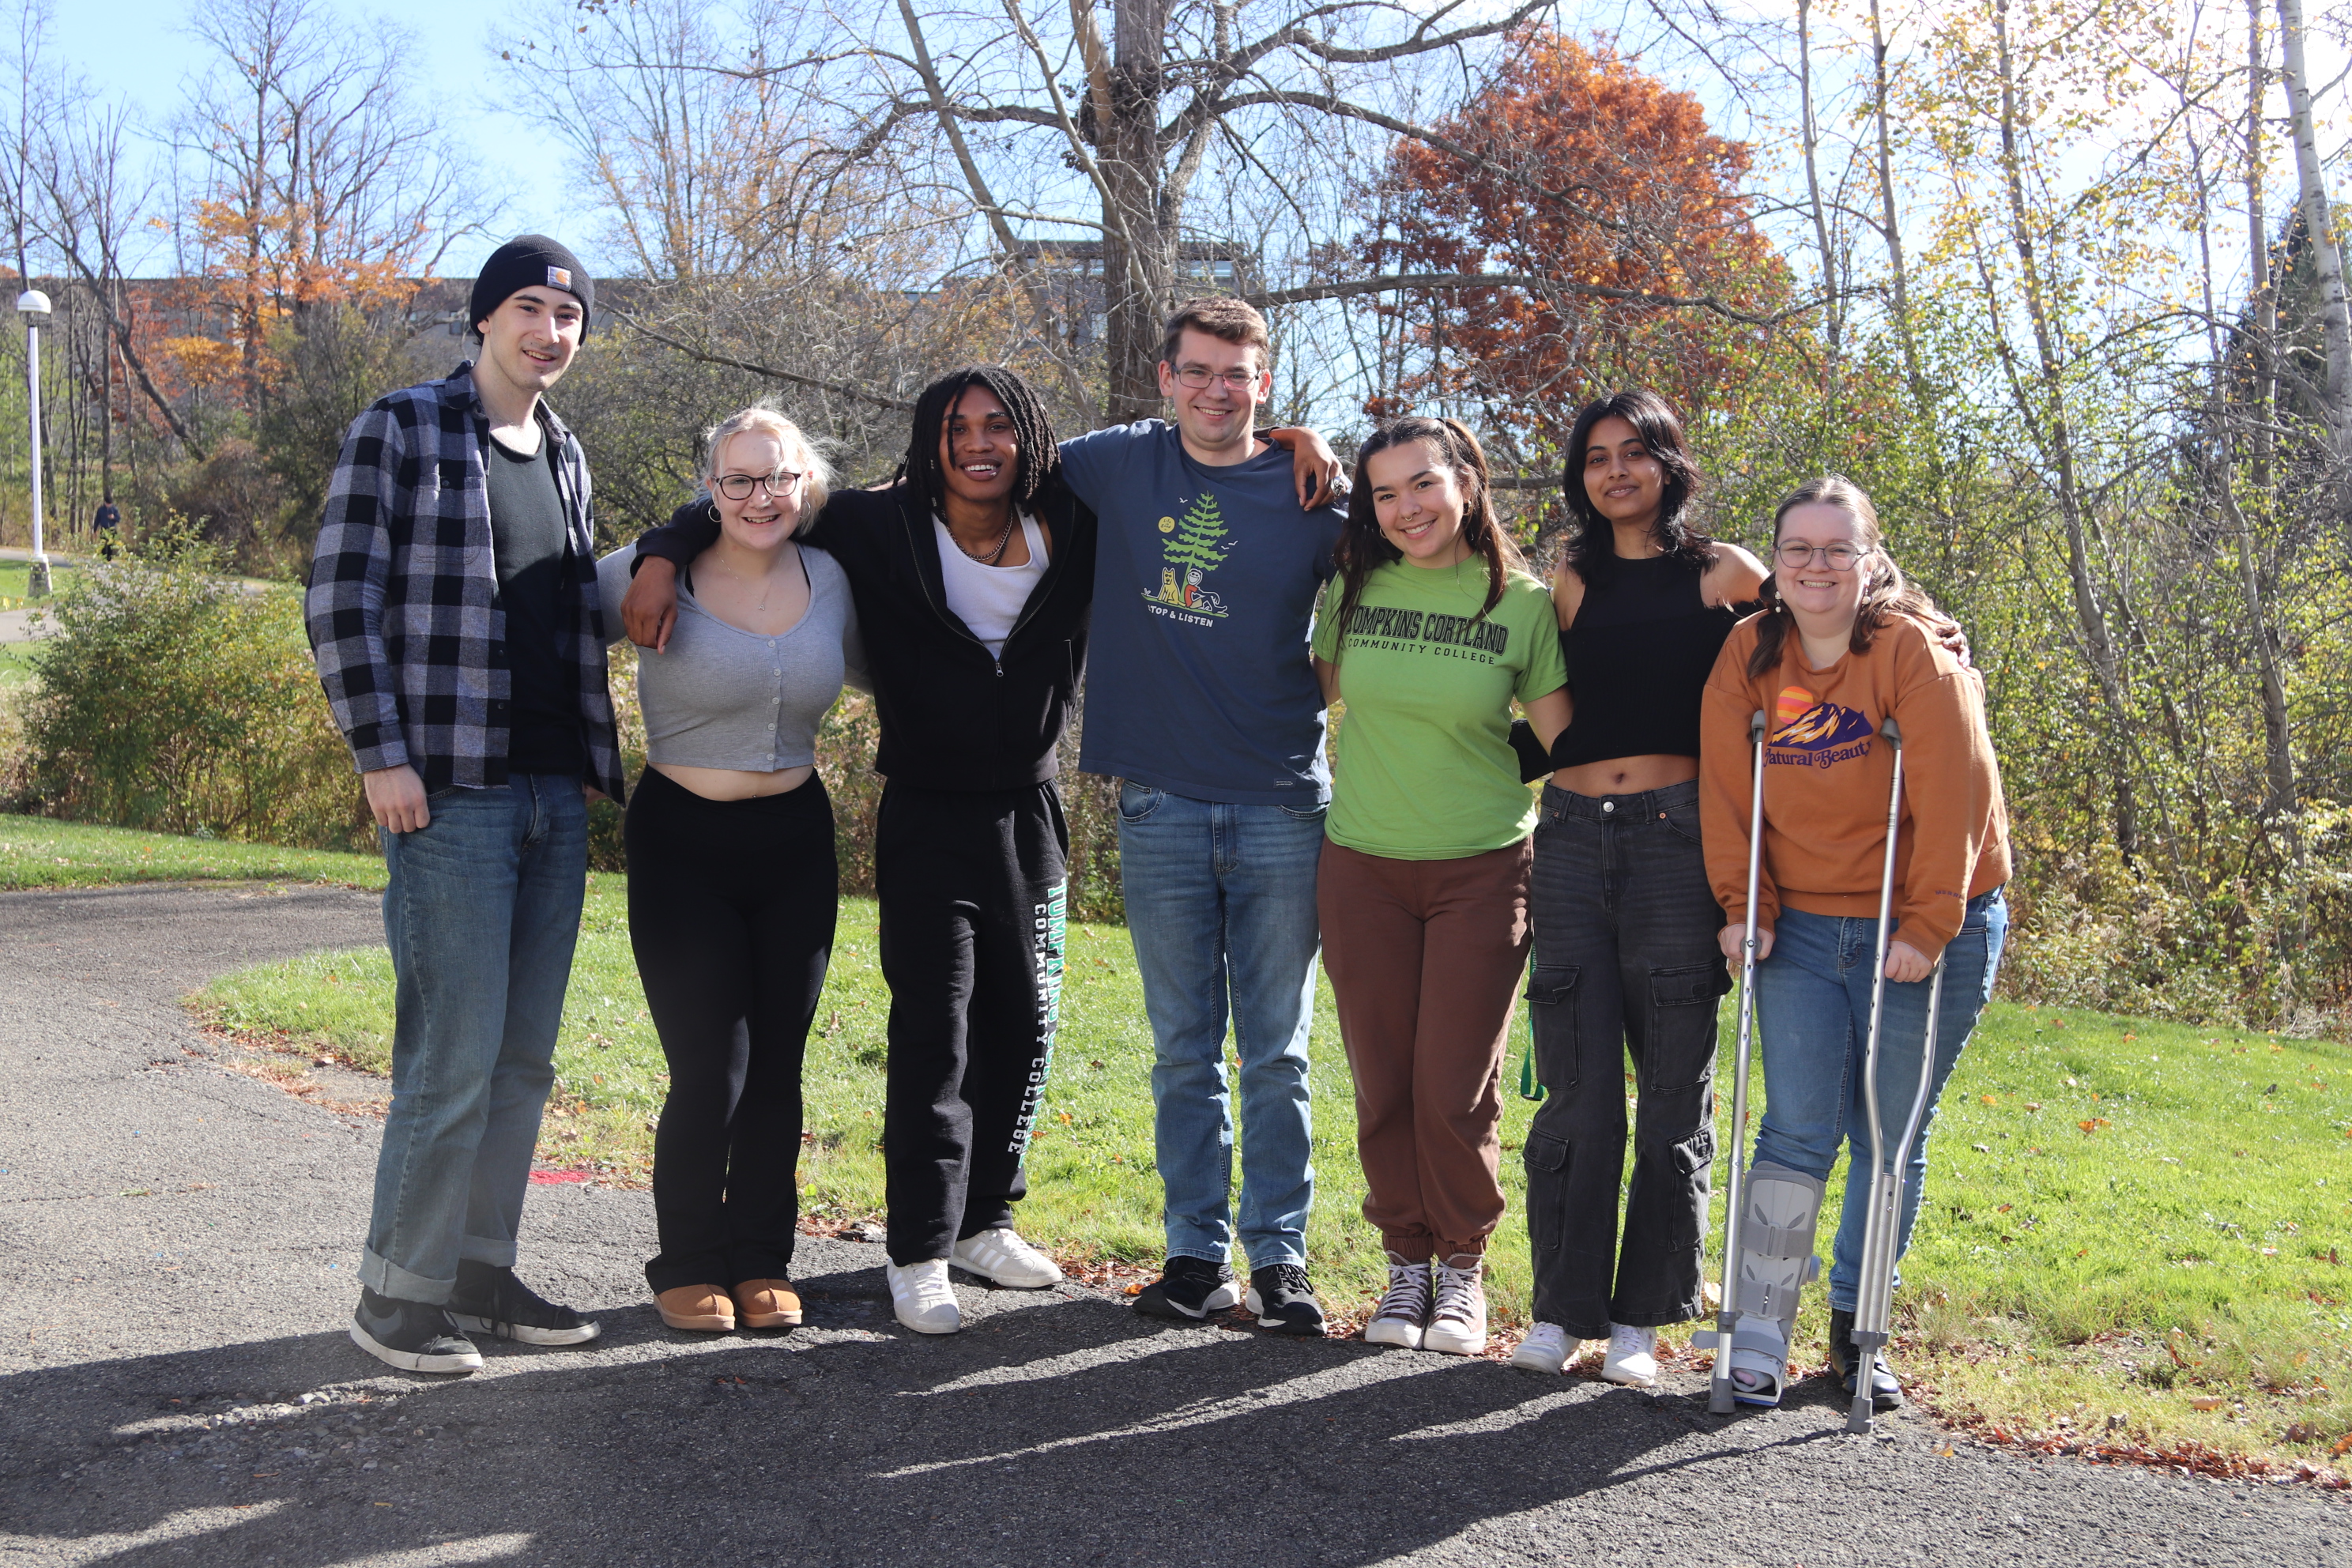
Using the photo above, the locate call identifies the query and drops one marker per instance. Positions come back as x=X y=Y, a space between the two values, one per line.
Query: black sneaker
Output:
x=1284 y=1302
x=491 y=1300
x=1189 y=1289
x=414 y=1336
x=1885 y=1389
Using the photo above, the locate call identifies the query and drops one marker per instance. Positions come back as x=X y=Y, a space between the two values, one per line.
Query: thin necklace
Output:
x=767 y=580
x=1002 y=539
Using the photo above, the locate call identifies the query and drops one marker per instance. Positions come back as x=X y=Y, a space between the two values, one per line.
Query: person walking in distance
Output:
x=1625 y=922
x=452 y=610
x=1204 y=705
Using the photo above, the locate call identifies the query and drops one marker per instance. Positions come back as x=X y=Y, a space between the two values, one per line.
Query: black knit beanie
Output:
x=531 y=261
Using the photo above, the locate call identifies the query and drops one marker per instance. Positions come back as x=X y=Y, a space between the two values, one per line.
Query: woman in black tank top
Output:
x=1625 y=954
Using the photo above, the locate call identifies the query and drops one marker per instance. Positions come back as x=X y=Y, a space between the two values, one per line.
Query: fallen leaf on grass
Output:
x=2094 y=1125
x=2036 y=1105
x=2206 y=1401
x=1989 y=1099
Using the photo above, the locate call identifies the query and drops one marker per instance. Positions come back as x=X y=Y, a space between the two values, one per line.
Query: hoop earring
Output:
x=710 y=505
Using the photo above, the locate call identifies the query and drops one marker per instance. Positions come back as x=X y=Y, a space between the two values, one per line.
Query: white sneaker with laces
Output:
x=1457 y=1317
x=1001 y=1256
x=1402 y=1315
x=1633 y=1358
x=922 y=1298
x=1547 y=1348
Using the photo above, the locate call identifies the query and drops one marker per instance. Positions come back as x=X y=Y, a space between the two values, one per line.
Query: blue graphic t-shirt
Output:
x=1197 y=681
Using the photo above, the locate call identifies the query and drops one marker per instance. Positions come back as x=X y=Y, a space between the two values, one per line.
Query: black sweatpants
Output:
x=972 y=896
x=1625 y=962
x=732 y=907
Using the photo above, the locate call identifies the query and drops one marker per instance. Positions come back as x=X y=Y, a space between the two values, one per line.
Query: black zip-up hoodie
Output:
x=953 y=718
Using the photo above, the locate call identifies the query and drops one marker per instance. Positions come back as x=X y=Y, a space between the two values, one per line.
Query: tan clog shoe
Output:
x=705 y=1309
x=767 y=1304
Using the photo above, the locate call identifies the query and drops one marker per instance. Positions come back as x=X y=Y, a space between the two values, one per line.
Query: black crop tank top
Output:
x=1638 y=658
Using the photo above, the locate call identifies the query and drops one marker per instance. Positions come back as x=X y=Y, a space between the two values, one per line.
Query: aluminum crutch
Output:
x=1874 y=1297
x=1719 y=1400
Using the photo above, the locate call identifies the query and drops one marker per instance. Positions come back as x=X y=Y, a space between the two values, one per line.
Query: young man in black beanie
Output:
x=453 y=608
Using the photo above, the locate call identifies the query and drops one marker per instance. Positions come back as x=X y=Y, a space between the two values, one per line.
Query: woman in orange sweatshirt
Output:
x=1842 y=645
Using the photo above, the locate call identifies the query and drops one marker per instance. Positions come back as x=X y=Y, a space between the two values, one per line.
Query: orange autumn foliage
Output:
x=1589 y=171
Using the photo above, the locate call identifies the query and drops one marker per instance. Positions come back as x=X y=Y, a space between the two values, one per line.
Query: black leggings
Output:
x=732 y=907
x=972 y=893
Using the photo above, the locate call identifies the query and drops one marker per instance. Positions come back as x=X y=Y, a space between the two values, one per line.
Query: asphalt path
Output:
x=176 y=1247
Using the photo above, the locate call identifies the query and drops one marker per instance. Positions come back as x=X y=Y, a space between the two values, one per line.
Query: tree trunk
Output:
x=1832 y=304
x=1138 y=253
x=2090 y=616
x=2263 y=300
x=2327 y=261
x=1890 y=218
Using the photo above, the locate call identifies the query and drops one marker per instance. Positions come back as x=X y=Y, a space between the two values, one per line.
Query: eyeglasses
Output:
x=1839 y=557
x=1197 y=376
x=738 y=487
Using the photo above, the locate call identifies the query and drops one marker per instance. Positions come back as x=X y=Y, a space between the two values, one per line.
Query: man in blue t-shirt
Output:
x=1201 y=701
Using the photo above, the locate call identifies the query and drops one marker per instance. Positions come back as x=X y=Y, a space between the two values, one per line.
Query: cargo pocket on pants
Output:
x=1548 y=1159
x=1680 y=1053
x=1551 y=1015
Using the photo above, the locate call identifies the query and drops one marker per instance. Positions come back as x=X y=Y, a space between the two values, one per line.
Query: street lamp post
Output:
x=33 y=306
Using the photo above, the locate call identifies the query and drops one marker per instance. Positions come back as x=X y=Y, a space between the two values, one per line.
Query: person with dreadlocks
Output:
x=1432 y=629
x=972 y=575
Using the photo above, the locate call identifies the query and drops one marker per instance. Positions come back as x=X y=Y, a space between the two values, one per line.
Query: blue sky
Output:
x=140 y=50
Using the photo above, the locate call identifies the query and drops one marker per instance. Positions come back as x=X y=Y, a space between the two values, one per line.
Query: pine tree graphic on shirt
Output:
x=1191 y=554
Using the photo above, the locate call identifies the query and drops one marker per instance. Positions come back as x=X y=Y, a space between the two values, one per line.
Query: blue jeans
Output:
x=1221 y=904
x=481 y=908
x=1812 y=1007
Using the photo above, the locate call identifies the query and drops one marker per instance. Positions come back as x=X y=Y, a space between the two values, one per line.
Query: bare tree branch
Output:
x=704 y=356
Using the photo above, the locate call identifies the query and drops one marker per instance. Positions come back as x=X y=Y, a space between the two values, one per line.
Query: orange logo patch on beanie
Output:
x=559 y=277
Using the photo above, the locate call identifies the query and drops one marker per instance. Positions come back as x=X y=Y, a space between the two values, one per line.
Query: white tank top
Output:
x=989 y=599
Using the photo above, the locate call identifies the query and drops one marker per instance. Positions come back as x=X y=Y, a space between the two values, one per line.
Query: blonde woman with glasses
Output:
x=732 y=880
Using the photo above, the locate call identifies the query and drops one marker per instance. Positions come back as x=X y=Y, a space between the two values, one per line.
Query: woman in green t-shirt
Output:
x=1428 y=632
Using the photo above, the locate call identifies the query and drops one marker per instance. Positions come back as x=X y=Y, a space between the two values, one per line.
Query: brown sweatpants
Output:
x=1424 y=958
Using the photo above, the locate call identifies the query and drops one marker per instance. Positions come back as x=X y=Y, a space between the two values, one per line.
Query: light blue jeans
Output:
x=1221 y=904
x=1812 y=1007
x=481 y=908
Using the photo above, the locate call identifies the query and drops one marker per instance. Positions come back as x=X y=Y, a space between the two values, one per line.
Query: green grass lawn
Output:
x=16 y=663
x=16 y=577
x=39 y=852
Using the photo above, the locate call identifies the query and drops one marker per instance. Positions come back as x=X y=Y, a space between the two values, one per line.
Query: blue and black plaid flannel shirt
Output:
x=404 y=608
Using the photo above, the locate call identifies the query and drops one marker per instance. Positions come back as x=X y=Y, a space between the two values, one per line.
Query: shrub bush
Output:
x=166 y=698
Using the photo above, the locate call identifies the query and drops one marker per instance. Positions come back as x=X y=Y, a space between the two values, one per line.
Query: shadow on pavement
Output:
x=1066 y=1431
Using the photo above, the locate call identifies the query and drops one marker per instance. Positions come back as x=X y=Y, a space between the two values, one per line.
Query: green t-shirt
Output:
x=1426 y=766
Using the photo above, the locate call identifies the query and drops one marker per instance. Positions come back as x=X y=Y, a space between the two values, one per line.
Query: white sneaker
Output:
x=1403 y=1313
x=1458 y=1318
x=1001 y=1256
x=922 y=1298
x=1633 y=1358
x=1547 y=1348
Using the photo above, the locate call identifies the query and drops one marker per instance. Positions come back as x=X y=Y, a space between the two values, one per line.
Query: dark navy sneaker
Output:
x=414 y=1336
x=1885 y=1389
x=1283 y=1300
x=489 y=1299
x=1189 y=1289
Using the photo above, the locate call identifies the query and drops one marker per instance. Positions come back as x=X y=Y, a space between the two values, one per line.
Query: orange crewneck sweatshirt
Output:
x=1826 y=775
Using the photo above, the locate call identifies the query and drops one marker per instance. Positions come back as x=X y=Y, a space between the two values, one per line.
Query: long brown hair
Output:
x=1364 y=549
x=1887 y=594
x=1592 y=541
